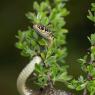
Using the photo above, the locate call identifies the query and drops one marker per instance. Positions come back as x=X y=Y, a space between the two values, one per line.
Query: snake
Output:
x=30 y=67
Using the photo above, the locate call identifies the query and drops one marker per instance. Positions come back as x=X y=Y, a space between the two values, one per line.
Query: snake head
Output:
x=43 y=31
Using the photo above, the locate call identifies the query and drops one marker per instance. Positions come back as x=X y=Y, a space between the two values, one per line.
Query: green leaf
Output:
x=91 y=16
x=93 y=7
x=93 y=4
x=35 y=35
x=51 y=60
x=44 y=21
x=42 y=42
x=36 y=6
x=92 y=39
x=82 y=86
x=31 y=16
x=19 y=45
x=43 y=55
x=64 y=77
x=71 y=86
x=38 y=68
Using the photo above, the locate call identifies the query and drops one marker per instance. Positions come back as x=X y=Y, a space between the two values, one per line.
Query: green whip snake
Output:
x=28 y=70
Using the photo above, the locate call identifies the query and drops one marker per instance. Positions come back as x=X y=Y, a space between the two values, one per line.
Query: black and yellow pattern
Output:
x=43 y=31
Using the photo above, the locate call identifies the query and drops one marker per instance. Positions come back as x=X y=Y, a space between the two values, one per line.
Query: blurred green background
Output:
x=12 y=18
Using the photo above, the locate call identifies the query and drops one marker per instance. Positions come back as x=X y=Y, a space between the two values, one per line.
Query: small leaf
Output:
x=35 y=35
x=31 y=16
x=51 y=59
x=64 y=77
x=91 y=16
x=92 y=39
x=82 y=86
x=43 y=55
x=71 y=86
x=36 y=6
x=38 y=68
x=42 y=42
x=81 y=79
x=19 y=45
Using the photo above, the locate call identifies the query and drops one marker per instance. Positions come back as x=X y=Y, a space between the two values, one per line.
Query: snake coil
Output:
x=23 y=76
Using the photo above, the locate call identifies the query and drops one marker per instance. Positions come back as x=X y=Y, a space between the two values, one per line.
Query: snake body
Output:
x=27 y=71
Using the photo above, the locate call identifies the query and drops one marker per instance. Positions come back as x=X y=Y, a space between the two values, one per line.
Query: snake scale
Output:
x=27 y=71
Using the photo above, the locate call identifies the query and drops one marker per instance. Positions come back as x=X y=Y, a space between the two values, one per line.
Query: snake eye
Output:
x=42 y=27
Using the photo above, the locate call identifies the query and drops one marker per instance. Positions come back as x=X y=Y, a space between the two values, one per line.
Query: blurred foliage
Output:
x=87 y=82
